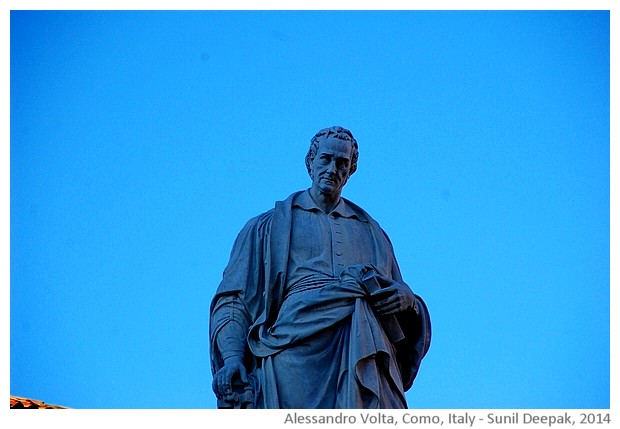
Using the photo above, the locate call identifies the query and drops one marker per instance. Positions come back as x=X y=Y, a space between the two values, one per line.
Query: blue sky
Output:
x=141 y=142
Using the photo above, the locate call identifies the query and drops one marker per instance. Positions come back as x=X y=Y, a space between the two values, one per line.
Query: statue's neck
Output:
x=326 y=202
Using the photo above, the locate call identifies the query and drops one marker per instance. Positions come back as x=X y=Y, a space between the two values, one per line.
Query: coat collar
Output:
x=305 y=201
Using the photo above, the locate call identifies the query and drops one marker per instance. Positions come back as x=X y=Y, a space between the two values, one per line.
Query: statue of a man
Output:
x=312 y=310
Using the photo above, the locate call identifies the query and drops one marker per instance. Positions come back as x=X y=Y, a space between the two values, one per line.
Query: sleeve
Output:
x=230 y=316
x=416 y=325
x=239 y=296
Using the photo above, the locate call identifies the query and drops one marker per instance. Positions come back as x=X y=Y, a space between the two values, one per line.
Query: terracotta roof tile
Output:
x=25 y=403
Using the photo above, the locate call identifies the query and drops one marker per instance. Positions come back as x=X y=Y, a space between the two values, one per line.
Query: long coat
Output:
x=255 y=279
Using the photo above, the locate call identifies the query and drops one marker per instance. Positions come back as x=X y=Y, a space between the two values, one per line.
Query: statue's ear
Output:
x=310 y=167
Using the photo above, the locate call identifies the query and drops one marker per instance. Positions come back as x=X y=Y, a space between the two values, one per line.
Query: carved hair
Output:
x=333 y=132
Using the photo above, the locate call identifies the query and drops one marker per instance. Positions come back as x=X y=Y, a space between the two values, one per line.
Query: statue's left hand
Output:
x=394 y=298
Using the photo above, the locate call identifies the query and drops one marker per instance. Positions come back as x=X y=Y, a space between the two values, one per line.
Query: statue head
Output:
x=335 y=132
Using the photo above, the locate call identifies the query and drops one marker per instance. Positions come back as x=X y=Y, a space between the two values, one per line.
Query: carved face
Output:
x=331 y=166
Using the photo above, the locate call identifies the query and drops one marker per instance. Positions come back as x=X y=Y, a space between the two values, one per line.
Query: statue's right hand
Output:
x=222 y=380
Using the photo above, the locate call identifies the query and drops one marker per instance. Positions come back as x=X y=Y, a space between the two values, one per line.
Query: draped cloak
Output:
x=346 y=354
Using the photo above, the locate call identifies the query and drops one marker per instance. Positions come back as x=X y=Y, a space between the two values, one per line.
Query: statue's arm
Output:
x=232 y=318
x=236 y=305
x=230 y=342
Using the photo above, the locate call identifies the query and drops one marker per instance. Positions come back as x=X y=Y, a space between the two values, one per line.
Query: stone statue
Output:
x=312 y=311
